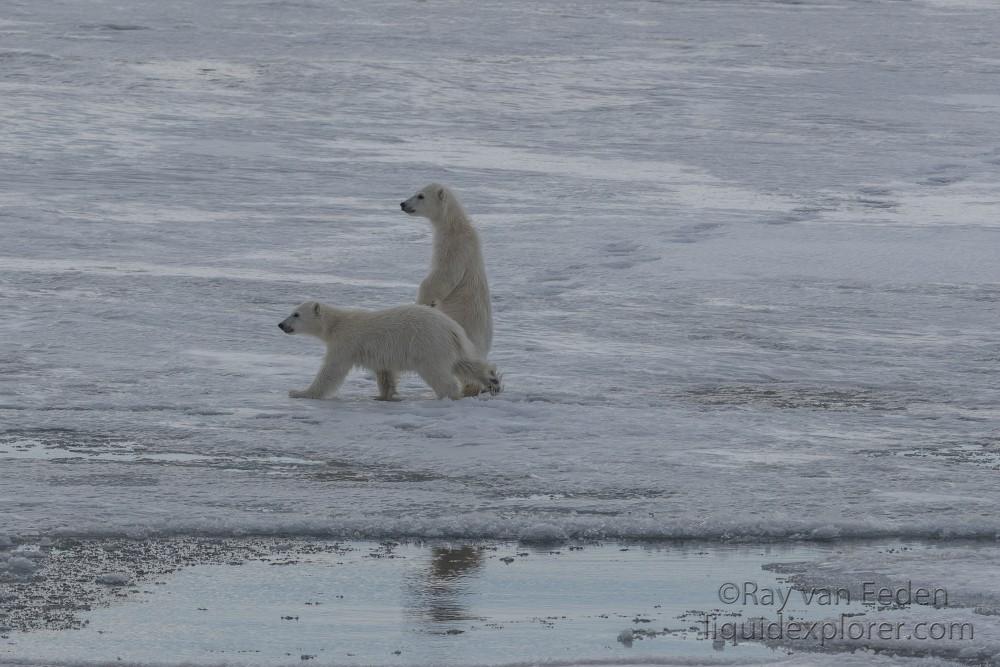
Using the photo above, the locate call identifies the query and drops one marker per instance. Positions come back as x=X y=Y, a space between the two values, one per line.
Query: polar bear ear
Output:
x=442 y=194
x=316 y=309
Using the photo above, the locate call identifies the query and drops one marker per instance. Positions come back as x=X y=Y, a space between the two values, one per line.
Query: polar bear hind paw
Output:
x=496 y=383
x=493 y=388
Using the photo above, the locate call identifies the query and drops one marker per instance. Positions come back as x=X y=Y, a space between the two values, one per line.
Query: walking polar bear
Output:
x=405 y=338
x=456 y=284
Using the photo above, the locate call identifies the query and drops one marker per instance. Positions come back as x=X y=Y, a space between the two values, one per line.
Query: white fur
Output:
x=457 y=282
x=405 y=338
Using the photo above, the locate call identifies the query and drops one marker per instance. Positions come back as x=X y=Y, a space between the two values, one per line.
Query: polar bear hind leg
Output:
x=444 y=383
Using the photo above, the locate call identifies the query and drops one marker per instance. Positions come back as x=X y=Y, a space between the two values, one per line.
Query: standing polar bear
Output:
x=405 y=338
x=456 y=284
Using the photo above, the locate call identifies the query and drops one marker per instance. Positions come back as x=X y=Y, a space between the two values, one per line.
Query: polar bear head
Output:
x=431 y=202
x=306 y=319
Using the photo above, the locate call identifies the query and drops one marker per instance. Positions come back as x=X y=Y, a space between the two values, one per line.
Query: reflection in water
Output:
x=439 y=594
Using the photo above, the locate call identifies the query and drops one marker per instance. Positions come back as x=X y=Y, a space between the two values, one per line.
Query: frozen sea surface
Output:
x=744 y=258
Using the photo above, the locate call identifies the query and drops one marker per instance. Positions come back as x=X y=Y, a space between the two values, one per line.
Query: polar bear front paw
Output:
x=305 y=393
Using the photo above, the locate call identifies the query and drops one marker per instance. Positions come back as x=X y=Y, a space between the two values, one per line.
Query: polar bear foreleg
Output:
x=387 y=381
x=426 y=294
x=327 y=381
x=438 y=284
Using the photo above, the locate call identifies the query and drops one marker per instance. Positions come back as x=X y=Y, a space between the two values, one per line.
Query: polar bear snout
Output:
x=287 y=328
x=405 y=208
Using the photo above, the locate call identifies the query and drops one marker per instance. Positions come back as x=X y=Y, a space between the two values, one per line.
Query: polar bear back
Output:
x=404 y=338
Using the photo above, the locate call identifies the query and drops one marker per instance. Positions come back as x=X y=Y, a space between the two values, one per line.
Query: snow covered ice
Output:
x=743 y=258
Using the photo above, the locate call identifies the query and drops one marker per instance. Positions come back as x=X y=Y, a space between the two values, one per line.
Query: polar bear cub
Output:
x=406 y=338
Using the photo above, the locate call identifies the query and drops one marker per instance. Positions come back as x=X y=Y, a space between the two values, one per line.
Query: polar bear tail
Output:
x=474 y=372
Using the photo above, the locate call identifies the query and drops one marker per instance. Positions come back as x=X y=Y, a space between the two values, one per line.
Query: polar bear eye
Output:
x=420 y=196
x=295 y=315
